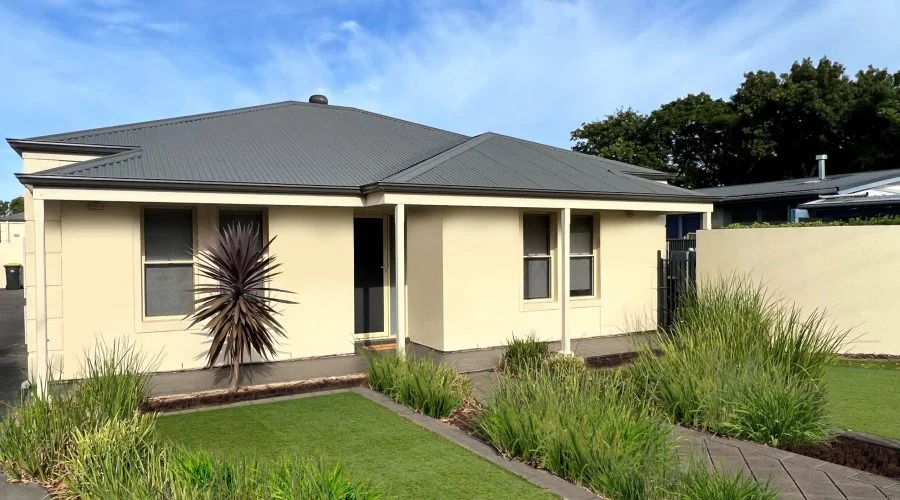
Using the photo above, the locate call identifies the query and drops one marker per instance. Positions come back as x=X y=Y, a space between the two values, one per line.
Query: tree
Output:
x=237 y=302
x=13 y=206
x=771 y=128
x=623 y=136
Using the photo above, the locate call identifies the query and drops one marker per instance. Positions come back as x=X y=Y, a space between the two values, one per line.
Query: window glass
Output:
x=537 y=278
x=253 y=218
x=581 y=272
x=168 y=289
x=582 y=240
x=537 y=234
x=168 y=234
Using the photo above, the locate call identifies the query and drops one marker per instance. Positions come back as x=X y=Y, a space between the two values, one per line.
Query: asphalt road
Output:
x=13 y=356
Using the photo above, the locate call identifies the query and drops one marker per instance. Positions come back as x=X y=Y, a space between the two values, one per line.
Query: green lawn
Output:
x=401 y=458
x=865 y=396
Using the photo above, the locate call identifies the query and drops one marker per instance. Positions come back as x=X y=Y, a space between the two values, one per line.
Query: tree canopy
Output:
x=13 y=206
x=771 y=128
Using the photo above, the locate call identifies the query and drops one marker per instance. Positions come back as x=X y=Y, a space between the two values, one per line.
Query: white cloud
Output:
x=535 y=69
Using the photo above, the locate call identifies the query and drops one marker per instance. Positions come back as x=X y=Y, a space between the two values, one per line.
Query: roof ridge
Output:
x=427 y=164
x=161 y=122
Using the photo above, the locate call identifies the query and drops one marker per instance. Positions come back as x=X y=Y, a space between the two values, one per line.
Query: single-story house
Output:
x=12 y=242
x=385 y=228
x=832 y=197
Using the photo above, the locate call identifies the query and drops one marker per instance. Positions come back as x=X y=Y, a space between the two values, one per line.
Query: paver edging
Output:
x=538 y=477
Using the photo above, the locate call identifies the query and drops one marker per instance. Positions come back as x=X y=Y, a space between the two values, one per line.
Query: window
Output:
x=536 y=232
x=168 y=262
x=581 y=263
x=245 y=217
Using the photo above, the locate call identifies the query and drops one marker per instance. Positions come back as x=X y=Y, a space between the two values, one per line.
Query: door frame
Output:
x=386 y=248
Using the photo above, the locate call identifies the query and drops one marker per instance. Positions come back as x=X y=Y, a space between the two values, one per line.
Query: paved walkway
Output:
x=794 y=476
x=13 y=356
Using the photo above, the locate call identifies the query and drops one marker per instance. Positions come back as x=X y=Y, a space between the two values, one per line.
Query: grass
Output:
x=524 y=353
x=742 y=363
x=402 y=459
x=434 y=389
x=864 y=396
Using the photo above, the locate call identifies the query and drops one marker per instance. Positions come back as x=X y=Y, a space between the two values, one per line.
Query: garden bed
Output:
x=249 y=393
x=855 y=453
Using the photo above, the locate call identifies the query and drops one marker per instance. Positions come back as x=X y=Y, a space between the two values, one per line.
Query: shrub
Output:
x=883 y=220
x=36 y=433
x=524 y=354
x=588 y=427
x=743 y=364
x=120 y=459
x=434 y=389
x=697 y=482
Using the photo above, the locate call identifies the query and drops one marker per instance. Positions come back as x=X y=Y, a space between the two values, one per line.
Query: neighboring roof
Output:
x=19 y=217
x=799 y=188
x=293 y=146
x=853 y=201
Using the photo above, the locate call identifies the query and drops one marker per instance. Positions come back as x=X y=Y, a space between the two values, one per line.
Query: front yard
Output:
x=402 y=459
x=864 y=396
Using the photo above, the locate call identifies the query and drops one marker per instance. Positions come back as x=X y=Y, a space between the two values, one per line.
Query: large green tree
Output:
x=771 y=128
x=13 y=206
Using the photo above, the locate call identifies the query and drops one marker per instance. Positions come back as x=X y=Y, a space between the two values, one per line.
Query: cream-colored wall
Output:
x=12 y=246
x=424 y=276
x=480 y=286
x=853 y=272
x=100 y=281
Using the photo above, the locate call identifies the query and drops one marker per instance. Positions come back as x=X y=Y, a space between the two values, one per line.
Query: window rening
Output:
x=168 y=261
x=536 y=246
x=581 y=256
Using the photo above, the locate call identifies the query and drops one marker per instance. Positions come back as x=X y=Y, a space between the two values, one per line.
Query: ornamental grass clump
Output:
x=586 y=426
x=740 y=363
x=523 y=353
x=434 y=389
x=36 y=433
x=698 y=483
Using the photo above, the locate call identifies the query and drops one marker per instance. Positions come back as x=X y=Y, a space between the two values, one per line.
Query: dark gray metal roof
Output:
x=19 y=217
x=293 y=146
x=798 y=188
x=853 y=201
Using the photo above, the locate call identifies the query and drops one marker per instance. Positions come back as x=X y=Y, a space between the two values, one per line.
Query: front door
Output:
x=368 y=275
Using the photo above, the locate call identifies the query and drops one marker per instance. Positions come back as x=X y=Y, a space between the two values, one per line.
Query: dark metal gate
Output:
x=677 y=276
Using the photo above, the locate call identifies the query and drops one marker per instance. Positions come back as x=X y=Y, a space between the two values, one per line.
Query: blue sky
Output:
x=533 y=69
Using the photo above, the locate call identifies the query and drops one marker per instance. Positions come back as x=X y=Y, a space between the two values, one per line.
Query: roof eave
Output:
x=386 y=187
x=773 y=196
x=170 y=185
x=24 y=145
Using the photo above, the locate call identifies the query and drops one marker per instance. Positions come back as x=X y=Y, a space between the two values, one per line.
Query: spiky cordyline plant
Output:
x=236 y=301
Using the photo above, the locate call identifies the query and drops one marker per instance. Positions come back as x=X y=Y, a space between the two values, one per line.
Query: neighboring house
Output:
x=841 y=196
x=489 y=233
x=12 y=243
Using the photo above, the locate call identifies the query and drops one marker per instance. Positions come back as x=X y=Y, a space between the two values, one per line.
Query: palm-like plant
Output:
x=236 y=300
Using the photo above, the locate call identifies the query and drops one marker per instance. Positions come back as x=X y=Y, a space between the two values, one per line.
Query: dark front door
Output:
x=368 y=275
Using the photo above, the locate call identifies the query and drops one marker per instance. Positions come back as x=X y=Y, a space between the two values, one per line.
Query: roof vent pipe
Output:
x=318 y=99
x=821 y=159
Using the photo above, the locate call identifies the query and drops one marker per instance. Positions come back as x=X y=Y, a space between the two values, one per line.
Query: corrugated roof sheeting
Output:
x=808 y=185
x=299 y=144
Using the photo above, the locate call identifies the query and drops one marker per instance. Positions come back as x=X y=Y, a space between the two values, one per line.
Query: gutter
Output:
x=380 y=187
x=22 y=145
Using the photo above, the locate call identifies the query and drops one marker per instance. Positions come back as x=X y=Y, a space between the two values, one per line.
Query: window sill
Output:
x=539 y=305
x=164 y=324
x=582 y=302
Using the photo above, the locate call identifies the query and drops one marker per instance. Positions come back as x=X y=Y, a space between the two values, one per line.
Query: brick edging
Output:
x=537 y=477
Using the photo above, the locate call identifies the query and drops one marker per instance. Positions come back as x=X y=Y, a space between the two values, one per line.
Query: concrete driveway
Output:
x=13 y=356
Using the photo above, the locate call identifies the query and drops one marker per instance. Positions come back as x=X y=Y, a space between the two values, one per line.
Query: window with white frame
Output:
x=168 y=261
x=536 y=236
x=581 y=255
x=252 y=218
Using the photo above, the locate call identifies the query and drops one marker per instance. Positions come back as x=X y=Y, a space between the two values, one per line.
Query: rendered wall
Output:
x=12 y=246
x=100 y=289
x=482 y=279
x=851 y=272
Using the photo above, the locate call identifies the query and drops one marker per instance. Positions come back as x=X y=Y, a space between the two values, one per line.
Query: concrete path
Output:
x=13 y=356
x=794 y=476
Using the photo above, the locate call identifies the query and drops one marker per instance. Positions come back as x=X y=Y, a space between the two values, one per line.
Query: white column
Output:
x=706 y=223
x=42 y=363
x=564 y=251
x=400 y=263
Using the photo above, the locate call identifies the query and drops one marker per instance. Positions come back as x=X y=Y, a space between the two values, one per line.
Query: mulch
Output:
x=854 y=453
x=250 y=393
